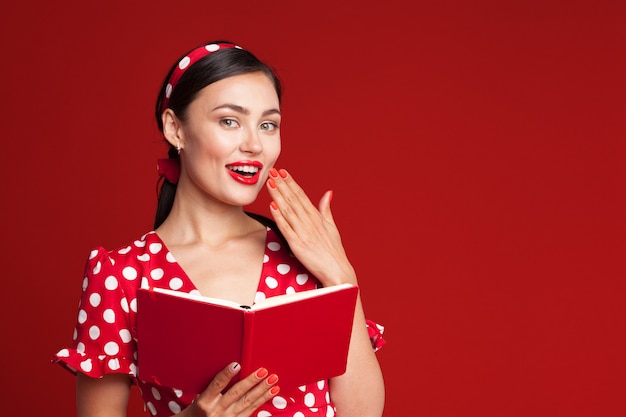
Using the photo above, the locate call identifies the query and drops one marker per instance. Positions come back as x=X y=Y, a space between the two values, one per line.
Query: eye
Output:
x=269 y=126
x=229 y=123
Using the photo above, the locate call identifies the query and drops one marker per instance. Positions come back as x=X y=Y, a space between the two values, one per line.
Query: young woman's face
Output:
x=231 y=138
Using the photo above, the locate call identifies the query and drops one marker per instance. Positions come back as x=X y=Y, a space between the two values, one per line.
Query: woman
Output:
x=219 y=111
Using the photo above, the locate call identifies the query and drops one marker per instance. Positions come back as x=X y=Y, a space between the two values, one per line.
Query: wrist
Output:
x=347 y=276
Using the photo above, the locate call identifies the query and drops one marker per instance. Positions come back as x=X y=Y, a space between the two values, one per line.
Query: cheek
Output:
x=205 y=156
x=212 y=146
x=274 y=150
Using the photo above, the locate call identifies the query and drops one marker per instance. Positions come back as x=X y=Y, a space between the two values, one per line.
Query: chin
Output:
x=243 y=200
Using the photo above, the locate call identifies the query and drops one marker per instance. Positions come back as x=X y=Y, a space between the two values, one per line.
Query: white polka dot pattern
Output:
x=156 y=273
x=105 y=336
x=186 y=62
x=129 y=273
x=155 y=248
x=279 y=402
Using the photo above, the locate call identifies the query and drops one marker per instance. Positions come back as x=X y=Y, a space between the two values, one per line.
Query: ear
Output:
x=172 y=128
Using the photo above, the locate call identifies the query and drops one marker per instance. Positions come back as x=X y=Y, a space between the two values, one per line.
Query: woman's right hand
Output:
x=241 y=400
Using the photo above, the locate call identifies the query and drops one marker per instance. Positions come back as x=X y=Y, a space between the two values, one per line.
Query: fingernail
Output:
x=274 y=205
x=273 y=173
x=275 y=390
x=271 y=183
x=272 y=379
x=261 y=373
x=234 y=367
x=330 y=196
x=283 y=173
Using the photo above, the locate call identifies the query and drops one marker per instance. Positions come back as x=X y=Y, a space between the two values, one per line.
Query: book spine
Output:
x=247 y=344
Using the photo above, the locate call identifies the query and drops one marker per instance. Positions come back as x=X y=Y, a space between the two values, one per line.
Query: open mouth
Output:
x=247 y=171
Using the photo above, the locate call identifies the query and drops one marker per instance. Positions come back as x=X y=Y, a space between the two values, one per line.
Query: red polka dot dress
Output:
x=105 y=334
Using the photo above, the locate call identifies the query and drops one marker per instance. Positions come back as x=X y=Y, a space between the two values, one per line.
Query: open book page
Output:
x=198 y=297
x=290 y=298
x=268 y=302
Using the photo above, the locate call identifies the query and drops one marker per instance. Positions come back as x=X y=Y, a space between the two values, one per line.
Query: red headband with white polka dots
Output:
x=190 y=59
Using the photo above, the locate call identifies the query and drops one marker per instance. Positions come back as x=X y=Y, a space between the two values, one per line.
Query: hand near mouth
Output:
x=310 y=231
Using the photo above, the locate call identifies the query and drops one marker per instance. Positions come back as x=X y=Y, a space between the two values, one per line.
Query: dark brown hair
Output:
x=212 y=68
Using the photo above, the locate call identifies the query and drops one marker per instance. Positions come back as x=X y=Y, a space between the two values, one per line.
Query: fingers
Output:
x=254 y=390
x=242 y=398
x=291 y=204
x=222 y=379
x=310 y=231
x=289 y=198
x=324 y=206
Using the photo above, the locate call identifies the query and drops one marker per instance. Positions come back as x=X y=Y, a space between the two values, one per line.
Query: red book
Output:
x=184 y=340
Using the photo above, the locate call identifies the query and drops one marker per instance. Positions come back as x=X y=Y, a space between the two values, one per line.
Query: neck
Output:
x=194 y=220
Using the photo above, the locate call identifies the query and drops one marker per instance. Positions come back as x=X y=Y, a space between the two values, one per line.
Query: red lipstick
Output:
x=245 y=172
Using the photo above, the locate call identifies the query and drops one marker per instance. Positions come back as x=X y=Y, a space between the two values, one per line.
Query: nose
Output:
x=251 y=142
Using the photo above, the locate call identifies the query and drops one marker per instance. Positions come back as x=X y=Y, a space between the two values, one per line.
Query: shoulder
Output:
x=127 y=253
x=124 y=262
x=143 y=263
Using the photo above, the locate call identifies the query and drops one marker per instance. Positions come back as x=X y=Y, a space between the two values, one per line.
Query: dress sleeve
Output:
x=102 y=341
x=375 y=332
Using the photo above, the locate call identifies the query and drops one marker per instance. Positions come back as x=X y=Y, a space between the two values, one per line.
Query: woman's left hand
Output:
x=311 y=232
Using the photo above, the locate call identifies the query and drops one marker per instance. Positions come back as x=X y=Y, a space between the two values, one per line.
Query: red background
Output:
x=476 y=150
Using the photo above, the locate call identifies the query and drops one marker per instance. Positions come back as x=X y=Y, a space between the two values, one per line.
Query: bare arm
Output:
x=314 y=239
x=102 y=397
x=360 y=392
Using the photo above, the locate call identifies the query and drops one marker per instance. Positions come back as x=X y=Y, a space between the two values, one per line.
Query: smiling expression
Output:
x=230 y=139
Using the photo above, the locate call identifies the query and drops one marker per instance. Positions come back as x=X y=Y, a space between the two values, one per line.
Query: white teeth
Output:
x=245 y=169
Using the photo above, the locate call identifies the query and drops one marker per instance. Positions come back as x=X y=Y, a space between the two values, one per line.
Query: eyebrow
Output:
x=243 y=110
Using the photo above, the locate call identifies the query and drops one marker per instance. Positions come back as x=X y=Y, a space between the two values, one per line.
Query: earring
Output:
x=178 y=148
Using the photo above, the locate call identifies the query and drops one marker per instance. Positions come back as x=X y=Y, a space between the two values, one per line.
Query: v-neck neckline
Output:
x=185 y=277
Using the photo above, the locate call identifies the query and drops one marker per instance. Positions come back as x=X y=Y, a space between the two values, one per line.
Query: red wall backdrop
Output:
x=476 y=150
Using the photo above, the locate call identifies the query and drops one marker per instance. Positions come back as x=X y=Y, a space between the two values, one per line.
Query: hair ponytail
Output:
x=165 y=196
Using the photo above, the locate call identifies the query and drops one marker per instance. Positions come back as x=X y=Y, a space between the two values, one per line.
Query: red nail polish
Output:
x=274 y=205
x=330 y=196
x=272 y=379
x=283 y=173
x=271 y=183
x=274 y=390
x=273 y=173
x=261 y=373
